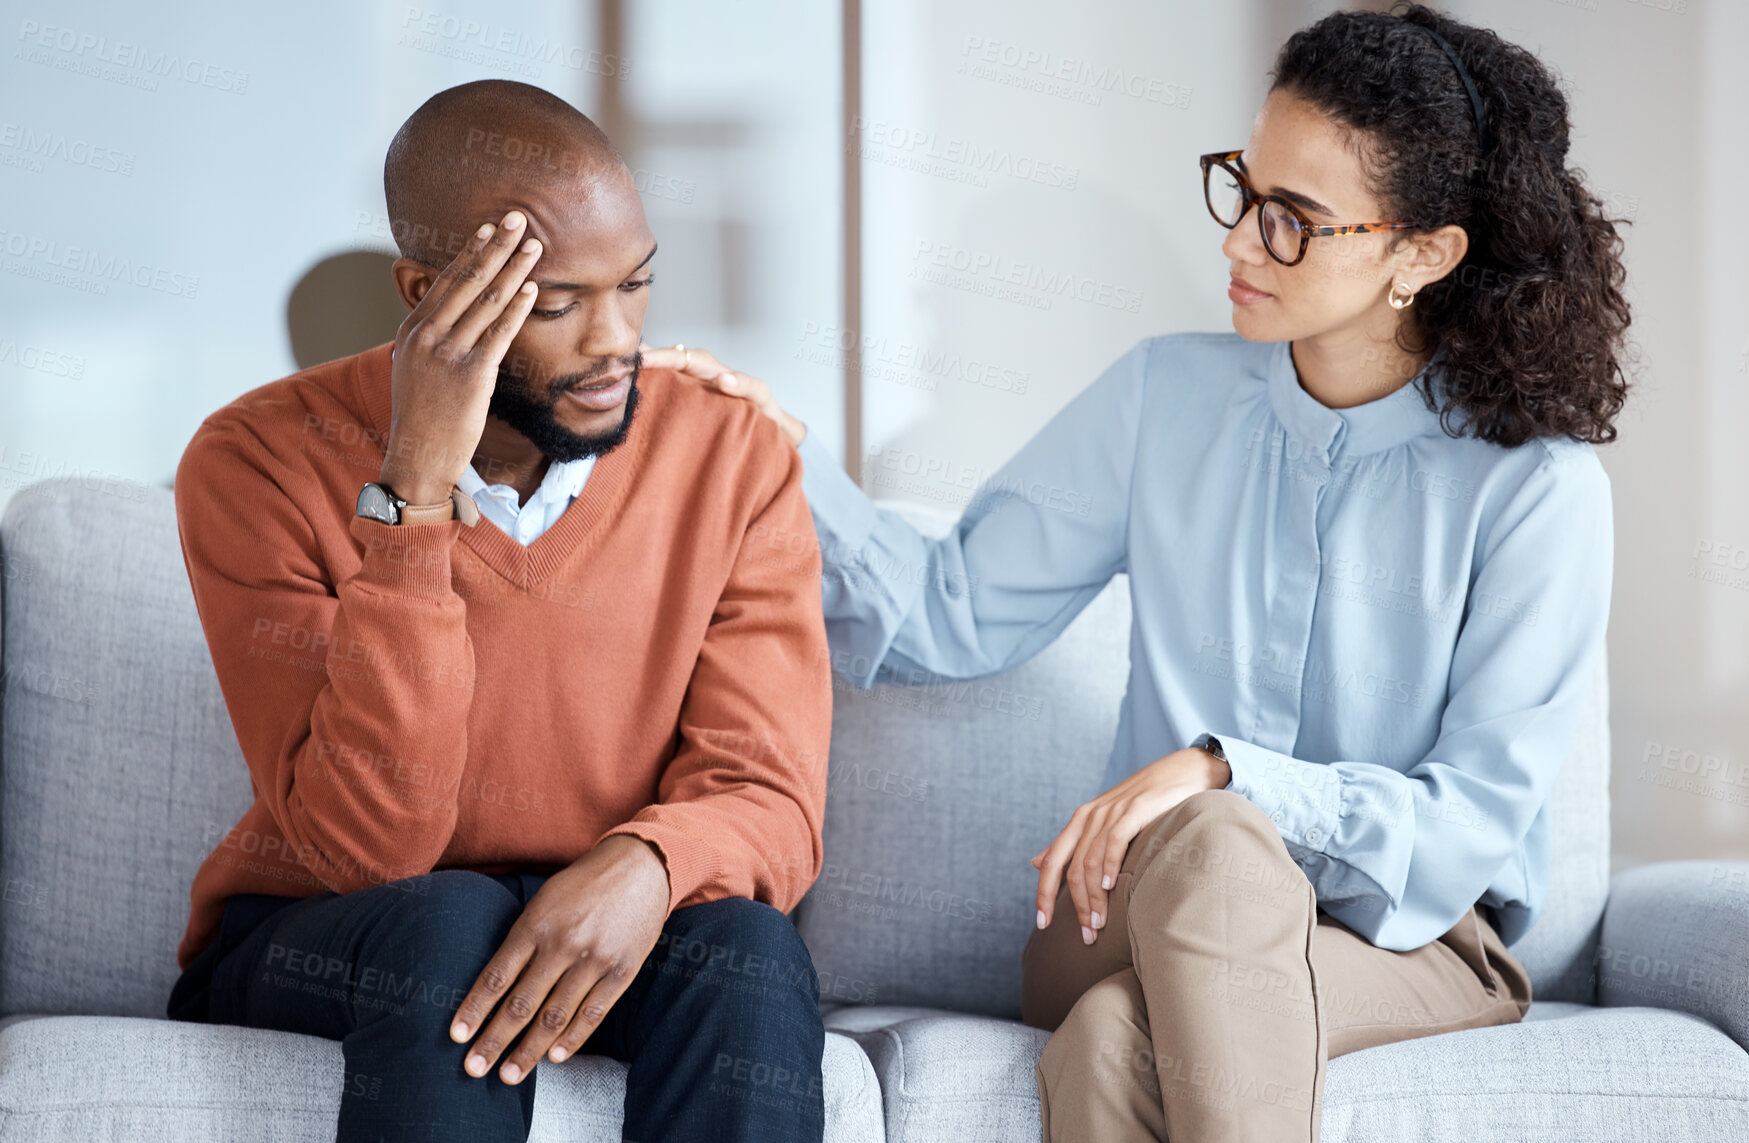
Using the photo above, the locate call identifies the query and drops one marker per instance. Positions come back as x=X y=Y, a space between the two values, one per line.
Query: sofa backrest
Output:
x=939 y=796
x=119 y=771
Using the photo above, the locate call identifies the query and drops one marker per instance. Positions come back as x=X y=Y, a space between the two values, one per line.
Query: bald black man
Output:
x=536 y=730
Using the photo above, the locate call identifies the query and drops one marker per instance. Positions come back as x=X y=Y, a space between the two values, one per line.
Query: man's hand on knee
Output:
x=576 y=947
x=1089 y=851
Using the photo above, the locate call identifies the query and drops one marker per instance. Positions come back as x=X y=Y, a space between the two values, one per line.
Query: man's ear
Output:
x=412 y=279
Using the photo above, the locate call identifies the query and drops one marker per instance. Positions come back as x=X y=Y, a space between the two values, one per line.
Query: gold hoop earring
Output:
x=1406 y=302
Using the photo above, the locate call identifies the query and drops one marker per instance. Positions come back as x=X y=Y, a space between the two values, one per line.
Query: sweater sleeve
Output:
x=350 y=700
x=740 y=804
x=1399 y=855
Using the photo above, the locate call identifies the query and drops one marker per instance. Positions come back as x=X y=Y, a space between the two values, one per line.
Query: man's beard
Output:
x=535 y=419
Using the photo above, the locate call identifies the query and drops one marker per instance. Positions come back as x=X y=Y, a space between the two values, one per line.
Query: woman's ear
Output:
x=1439 y=253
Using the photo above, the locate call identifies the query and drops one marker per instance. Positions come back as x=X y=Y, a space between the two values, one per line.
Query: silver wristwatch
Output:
x=379 y=502
x=376 y=502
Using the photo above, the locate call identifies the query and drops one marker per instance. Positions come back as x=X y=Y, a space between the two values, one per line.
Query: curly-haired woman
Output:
x=1369 y=547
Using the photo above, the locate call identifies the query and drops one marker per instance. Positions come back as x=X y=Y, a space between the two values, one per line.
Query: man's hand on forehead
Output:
x=447 y=355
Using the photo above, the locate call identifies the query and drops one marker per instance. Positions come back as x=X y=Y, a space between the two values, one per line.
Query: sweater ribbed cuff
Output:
x=690 y=864
x=410 y=559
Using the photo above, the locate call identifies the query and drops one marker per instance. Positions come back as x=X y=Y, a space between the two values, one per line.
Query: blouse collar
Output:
x=1374 y=426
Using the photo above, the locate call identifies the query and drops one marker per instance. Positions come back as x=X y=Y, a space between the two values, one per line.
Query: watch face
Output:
x=374 y=502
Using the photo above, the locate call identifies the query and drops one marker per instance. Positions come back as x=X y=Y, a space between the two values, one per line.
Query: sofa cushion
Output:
x=121 y=769
x=77 y=1078
x=1620 y=1075
x=951 y=1076
x=1616 y=1075
x=939 y=795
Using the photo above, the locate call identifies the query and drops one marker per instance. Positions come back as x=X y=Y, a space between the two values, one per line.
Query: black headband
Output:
x=1469 y=86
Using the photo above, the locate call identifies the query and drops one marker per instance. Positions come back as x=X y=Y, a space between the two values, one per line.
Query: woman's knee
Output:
x=1213 y=831
x=1108 y=1024
x=1223 y=805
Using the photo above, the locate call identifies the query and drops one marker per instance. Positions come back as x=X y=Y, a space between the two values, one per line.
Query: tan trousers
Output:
x=1214 y=994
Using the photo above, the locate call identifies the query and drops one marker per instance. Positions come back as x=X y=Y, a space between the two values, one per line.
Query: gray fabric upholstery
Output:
x=120 y=771
x=955 y=1077
x=939 y=796
x=121 y=767
x=77 y=1078
x=1569 y=1072
x=1677 y=936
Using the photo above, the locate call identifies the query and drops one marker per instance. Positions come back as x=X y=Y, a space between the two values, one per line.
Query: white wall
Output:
x=234 y=189
x=981 y=168
x=220 y=195
x=744 y=99
x=1656 y=100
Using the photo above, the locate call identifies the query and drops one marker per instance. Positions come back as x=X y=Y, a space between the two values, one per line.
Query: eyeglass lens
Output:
x=1281 y=230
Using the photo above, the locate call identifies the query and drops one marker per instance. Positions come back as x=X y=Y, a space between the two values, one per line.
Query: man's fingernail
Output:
x=458 y=1030
x=476 y=1064
x=511 y=1073
x=1086 y=935
x=557 y=1055
x=1105 y=883
x=1041 y=918
x=728 y=380
x=1098 y=921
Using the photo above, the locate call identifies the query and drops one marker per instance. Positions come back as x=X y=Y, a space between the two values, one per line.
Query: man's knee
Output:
x=409 y=949
x=444 y=926
x=745 y=949
x=455 y=900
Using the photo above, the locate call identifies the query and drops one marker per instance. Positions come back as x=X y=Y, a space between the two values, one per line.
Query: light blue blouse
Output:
x=1390 y=630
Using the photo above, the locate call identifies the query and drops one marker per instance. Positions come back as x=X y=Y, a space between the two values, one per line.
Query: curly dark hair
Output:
x=1532 y=322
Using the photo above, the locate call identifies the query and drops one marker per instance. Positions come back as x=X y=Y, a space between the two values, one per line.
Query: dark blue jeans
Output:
x=721 y=1027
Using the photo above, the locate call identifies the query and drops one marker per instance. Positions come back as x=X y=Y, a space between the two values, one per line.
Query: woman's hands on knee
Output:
x=1090 y=850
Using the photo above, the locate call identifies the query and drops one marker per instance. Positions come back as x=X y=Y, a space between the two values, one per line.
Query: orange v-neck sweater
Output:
x=435 y=696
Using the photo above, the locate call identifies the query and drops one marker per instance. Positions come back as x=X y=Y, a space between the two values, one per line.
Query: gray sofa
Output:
x=119 y=771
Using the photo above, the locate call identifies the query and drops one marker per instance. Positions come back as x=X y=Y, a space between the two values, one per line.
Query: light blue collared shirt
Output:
x=523 y=523
x=1390 y=630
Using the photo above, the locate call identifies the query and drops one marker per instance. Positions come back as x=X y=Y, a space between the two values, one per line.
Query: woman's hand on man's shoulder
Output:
x=702 y=367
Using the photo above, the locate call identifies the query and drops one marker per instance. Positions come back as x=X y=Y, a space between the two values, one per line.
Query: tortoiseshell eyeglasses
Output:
x=1286 y=232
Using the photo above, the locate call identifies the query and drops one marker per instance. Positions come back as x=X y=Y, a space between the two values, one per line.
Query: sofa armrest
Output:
x=1676 y=936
